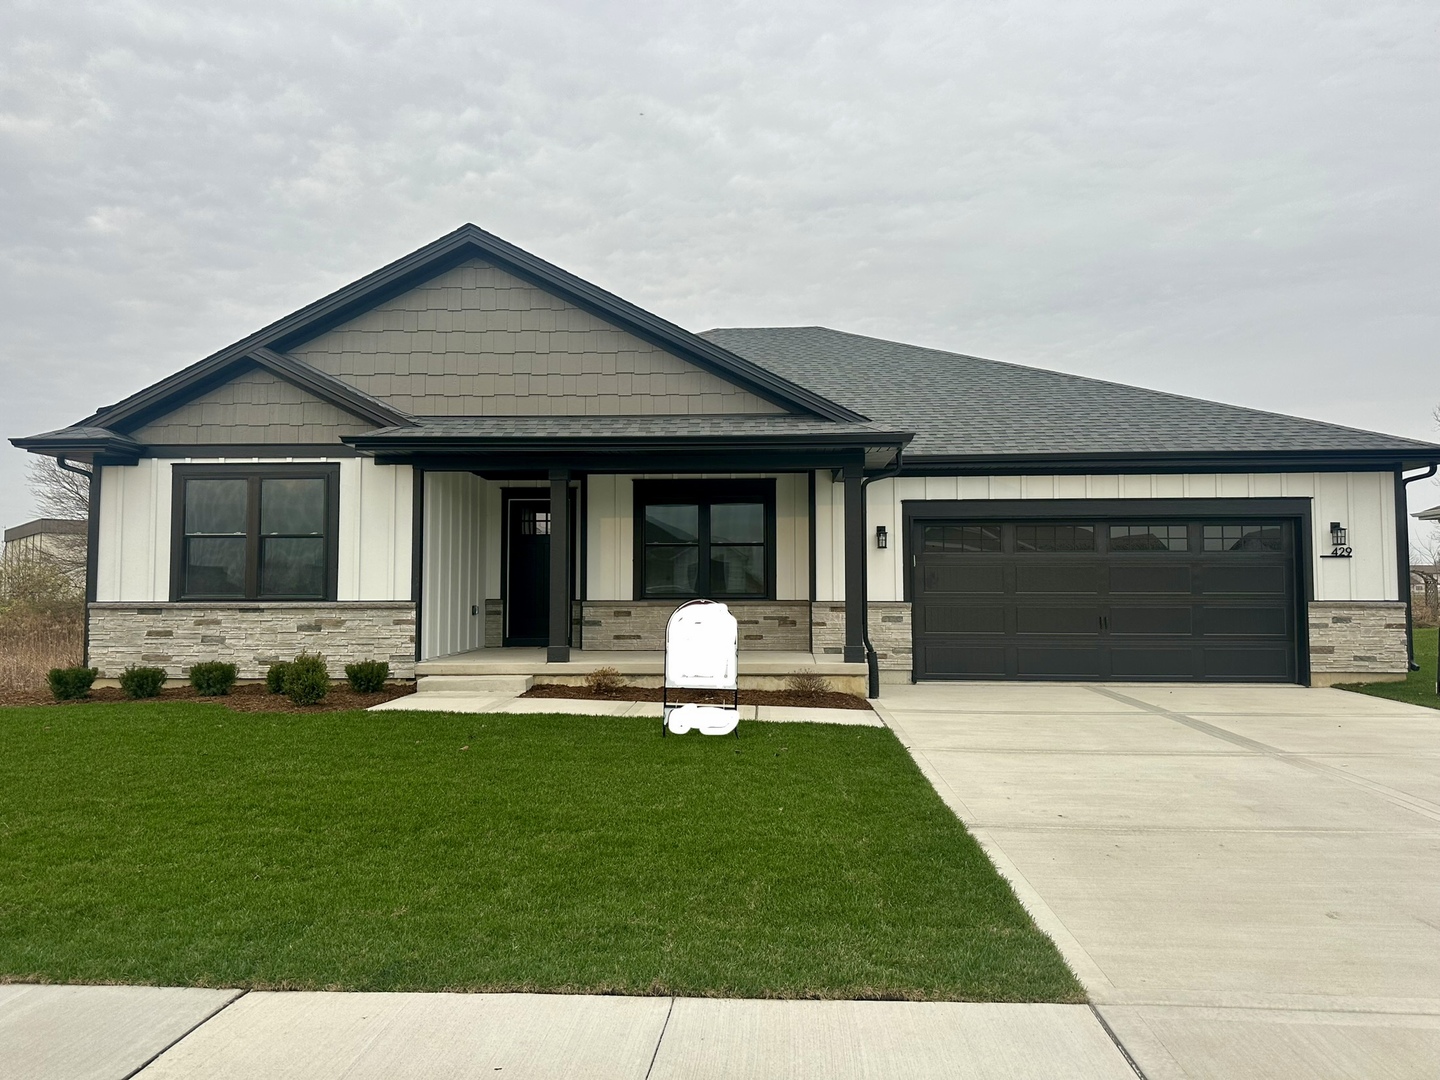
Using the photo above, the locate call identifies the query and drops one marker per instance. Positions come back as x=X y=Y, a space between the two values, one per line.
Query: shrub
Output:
x=275 y=676
x=214 y=678
x=604 y=679
x=142 y=682
x=308 y=680
x=807 y=682
x=367 y=676
x=71 y=683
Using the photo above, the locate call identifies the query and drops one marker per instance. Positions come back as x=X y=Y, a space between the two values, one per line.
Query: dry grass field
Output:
x=34 y=641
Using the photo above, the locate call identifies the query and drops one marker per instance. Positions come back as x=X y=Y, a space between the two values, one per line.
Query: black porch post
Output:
x=559 y=650
x=855 y=605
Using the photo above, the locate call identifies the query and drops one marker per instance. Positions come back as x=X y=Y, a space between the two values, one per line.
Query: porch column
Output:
x=855 y=606
x=559 y=650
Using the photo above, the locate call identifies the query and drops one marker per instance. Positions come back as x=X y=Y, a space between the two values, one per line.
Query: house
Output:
x=55 y=542
x=472 y=454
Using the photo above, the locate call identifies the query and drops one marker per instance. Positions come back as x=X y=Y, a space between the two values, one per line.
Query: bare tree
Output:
x=1424 y=557
x=58 y=492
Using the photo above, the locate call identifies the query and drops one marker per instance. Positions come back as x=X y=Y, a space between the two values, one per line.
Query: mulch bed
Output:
x=808 y=700
x=251 y=697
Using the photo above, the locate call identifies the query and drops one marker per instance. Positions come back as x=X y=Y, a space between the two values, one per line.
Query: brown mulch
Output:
x=807 y=700
x=250 y=697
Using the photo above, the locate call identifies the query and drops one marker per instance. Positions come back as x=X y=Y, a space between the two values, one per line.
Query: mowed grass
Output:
x=186 y=844
x=1419 y=687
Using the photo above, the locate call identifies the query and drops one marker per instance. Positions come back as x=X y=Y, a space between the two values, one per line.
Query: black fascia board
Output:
x=93 y=445
x=449 y=251
x=1167 y=462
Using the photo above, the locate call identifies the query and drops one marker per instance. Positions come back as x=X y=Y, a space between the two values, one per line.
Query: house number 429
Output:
x=1340 y=553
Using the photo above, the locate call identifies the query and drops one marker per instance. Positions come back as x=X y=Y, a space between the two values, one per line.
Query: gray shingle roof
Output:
x=964 y=405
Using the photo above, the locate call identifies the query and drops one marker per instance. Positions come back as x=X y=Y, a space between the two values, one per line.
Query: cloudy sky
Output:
x=1232 y=200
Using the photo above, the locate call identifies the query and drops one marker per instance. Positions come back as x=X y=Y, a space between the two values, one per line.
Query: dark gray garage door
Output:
x=1077 y=599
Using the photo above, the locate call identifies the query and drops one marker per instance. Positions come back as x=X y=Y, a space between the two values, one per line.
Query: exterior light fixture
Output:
x=1337 y=534
x=882 y=538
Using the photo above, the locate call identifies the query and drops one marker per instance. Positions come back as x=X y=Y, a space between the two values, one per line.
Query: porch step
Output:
x=474 y=684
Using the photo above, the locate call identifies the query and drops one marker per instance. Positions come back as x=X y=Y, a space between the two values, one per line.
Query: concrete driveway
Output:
x=1246 y=879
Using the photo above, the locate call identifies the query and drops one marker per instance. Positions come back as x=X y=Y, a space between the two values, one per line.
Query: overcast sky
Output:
x=1233 y=200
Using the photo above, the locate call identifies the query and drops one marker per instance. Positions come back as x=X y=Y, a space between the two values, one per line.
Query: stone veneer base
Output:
x=889 y=632
x=639 y=625
x=251 y=635
x=1357 y=638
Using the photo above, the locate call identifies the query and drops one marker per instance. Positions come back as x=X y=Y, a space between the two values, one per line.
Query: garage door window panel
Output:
x=1150 y=538
x=1054 y=538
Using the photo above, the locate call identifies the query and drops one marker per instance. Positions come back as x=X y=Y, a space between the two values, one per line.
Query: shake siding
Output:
x=477 y=341
x=255 y=407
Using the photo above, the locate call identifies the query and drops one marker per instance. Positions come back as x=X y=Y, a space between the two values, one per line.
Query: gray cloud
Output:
x=1229 y=200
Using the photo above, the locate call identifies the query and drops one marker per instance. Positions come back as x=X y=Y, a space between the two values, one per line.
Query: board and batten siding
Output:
x=135 y=515
x=254 y=407
x=1363 y=502
x=458 y=551
x=609 y=523
x=478 y=341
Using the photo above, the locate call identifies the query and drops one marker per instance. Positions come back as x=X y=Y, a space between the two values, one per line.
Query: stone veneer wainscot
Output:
x=251 y=635
x=1357 y=637
x=889 y=632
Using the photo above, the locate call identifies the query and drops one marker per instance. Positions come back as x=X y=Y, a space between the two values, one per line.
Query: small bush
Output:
x=308 y=680
x=605 y=679
x=807 y=682
x=368 y=676
x=142 y=682
x=214 y=678
x=275 y=676
x=71 y=683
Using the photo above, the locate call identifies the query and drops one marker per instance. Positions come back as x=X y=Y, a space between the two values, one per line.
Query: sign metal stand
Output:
x=702 y=652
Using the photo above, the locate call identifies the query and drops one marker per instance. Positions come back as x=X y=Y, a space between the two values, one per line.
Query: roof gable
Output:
x=477 y=340
x=256 y=406
x=467 y=243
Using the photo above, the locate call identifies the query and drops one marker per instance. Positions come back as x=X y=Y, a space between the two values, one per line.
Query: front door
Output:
x=527 y=572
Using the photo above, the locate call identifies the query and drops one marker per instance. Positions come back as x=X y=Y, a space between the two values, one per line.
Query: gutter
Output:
x=872 y=662
x=1402 y=545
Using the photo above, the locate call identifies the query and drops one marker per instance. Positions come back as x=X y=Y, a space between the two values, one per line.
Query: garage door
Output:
x=1105 y=599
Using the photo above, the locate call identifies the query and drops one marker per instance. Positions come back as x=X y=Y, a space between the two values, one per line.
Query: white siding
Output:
x=609 y=520
x=135 y=506
x=1363 y=502
x=453 y=571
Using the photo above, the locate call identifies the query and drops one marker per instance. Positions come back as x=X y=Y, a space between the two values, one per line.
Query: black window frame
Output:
x=705 y=494
x=253 y=475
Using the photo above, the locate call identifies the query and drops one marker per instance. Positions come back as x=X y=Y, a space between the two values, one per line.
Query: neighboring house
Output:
x=57 y=541
x=471 y=449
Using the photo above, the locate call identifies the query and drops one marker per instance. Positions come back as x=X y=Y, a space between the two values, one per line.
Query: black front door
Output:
x=527 y=572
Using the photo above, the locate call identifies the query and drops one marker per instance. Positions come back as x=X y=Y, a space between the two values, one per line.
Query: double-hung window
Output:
x=705 y=538
x=265 y=532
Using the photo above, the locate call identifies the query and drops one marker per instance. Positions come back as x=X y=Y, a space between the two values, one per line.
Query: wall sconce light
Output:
x=882 y=538
x=1337 y=534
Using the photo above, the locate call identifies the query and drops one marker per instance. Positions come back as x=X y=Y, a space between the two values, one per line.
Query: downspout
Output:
x=1402 y=544
x=872 y=662
x=92 y=548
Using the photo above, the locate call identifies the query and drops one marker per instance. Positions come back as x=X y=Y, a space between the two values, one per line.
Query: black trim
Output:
x=417 y=552
x=497 y=462
x=1061 y=464
x=705 y=493
x=329 y=472
x=1402 y=560
x=558 y=651
x=1299 y=511
x=810 y=474
x=249 y=450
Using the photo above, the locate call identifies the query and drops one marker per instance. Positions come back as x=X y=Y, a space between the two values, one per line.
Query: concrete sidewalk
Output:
x=444 y=701
x=108 y=1033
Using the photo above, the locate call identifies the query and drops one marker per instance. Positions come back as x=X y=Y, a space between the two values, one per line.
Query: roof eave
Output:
x=1386 y=460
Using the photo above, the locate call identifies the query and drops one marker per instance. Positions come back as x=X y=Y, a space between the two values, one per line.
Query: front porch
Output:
x=759 y=670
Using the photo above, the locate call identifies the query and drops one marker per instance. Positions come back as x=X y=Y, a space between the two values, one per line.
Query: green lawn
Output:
x=1419 y=688
x=187 y=844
